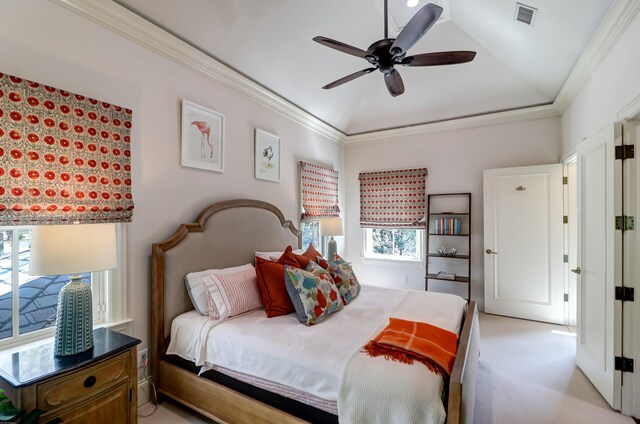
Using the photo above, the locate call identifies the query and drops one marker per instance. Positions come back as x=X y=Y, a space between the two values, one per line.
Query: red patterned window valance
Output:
x=393 y=199
x=319 y=191
x=63 y=157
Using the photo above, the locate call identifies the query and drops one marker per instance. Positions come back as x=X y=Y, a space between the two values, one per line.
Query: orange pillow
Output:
x=291 y=259
x=272 y=288
x=312 y=253
x=303 y=261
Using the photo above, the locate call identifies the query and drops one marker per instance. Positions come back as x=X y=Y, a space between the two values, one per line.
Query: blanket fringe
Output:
x=372 y=348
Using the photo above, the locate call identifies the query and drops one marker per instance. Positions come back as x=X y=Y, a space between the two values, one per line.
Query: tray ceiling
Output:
x=269 y=41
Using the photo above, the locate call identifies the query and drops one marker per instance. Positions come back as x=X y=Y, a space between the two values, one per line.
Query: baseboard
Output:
x=144 y=391
x=480 y=303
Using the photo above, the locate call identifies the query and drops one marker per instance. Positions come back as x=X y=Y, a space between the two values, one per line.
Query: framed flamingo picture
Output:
x=202 y=137
x=267 y=156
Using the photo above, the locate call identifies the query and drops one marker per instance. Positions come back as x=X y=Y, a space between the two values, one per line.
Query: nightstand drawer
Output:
x=84 y=383
x=109 y=408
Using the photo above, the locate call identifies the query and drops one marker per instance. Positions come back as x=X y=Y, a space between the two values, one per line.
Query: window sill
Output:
x=405 y=263
x=123 y=326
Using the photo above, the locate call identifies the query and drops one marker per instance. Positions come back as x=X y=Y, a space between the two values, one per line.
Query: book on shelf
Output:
x=446 y=275
x=447 y=226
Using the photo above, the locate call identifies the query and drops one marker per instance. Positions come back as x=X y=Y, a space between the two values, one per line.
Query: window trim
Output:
x=367 y=242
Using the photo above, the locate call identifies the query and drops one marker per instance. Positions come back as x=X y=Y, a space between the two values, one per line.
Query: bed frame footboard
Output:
x=462 y=385
x=216 y=401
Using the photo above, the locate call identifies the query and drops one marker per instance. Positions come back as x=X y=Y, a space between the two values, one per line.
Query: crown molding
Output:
x=631 y=112
x=516 y=115
x=121 y=20
x=612 y=27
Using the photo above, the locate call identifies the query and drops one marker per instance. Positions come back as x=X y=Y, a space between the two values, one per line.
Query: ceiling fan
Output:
x=384 y=54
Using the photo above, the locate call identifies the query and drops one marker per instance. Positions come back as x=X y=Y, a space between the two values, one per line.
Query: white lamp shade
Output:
x=71 y=249
x=331 y=227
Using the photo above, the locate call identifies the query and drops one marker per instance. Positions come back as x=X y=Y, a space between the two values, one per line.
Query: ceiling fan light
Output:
x=412 y=3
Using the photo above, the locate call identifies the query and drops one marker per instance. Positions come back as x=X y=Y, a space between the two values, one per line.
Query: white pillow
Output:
x=197 y=287
x=274 y=256
x=270 y=256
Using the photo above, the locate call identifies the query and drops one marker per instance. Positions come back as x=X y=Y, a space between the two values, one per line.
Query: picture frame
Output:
x=268 y=156
x=202 y=137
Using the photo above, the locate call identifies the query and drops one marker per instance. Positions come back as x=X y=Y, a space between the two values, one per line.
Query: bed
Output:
x=227 y=234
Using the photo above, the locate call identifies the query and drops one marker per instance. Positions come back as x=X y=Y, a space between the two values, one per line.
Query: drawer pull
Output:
x=56 y=420
x=89 y=381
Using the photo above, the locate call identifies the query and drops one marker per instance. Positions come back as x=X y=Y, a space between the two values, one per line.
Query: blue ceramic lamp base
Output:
x=332 y=249
x=74 y=320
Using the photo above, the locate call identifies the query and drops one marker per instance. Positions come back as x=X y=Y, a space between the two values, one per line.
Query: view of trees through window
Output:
x=395 y=242
x=310 y=233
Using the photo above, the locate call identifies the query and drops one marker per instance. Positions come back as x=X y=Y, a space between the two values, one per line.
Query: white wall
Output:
x=49 y=44
x=612 y=85
x=455 y=160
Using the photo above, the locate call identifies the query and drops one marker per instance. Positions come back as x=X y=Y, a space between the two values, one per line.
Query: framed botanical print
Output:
x=267 y=156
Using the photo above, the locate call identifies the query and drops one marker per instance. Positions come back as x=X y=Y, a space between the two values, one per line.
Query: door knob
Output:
x=491 y=252
x=577 y=270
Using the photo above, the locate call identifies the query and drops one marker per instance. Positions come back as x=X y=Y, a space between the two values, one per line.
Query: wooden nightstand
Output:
x=97 y=386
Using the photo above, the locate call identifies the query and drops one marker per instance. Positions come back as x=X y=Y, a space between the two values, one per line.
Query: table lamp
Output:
x=73 y=249
x=331 y=227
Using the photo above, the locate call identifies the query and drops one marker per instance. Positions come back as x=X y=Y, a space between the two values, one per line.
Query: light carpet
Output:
x=528 y=374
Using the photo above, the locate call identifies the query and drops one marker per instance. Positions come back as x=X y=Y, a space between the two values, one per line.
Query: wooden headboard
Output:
x=225 y=234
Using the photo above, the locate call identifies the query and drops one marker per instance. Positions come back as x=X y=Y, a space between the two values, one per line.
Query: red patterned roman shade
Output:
x=319 y=191
x=63 y=157
x=393 y=199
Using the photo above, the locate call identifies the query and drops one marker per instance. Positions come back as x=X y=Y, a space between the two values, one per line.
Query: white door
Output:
x=599 y=198
x=523 y=242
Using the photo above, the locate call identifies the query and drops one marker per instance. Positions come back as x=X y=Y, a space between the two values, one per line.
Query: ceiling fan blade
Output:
x=348 y=78
x=345 y=48
x=439 y=58
x=415 y=29
x=394 y=83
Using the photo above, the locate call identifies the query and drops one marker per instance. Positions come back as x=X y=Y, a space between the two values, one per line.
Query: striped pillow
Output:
x=233 y=294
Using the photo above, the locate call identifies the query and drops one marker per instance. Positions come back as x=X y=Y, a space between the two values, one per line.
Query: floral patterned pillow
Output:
x=344 y=278
x=312 y=292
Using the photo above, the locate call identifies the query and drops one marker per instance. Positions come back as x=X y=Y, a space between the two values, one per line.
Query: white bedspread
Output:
x=310 y=359
x=375 y=390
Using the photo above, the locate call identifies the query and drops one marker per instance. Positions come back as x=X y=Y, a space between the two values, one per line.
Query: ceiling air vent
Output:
x=525 y=14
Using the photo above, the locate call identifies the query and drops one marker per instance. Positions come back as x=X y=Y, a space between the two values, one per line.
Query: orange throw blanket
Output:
x=409 y=341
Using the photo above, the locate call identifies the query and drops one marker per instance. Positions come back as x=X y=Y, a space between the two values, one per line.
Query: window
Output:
x=319 y=199
x=28 y=304
x=396 y=244
x=392 y=211
x=310 y=233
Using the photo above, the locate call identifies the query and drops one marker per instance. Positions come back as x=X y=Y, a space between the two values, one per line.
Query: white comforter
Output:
x=375 y=390
x=310 y=359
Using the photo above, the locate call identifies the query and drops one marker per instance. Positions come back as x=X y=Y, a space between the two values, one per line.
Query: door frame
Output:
x=569 y=172
x=630 y=118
